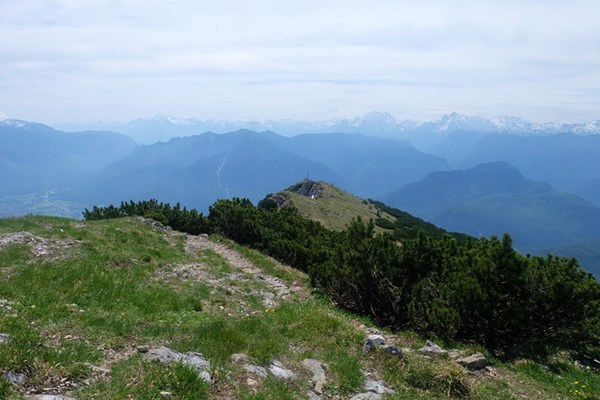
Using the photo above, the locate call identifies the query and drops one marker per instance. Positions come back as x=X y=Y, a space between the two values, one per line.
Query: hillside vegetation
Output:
x=84 y=304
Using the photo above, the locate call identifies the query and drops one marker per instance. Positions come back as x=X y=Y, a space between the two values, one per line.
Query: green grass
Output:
x=336 y=208
x=116 y=288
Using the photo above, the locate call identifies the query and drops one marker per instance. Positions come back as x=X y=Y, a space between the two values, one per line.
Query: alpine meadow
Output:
x=279 y=200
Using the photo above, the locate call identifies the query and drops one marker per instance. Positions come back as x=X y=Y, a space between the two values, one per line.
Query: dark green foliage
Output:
x=408 y=226
x=181 y=219
x=283 y=234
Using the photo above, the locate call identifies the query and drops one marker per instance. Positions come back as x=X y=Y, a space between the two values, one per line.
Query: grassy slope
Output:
x=336 y=208
x=109 y=286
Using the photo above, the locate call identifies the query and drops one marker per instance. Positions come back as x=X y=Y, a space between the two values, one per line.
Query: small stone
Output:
x=312 y=395
x=455 y=354
x=251 y=382
x=377 y=340
x=47 y=397
x=5 y=338
x=166 y=395
x=239 y=357
x=96 y=369
x=393 y=350
x=16 y=378
x=255 y=369
x=143 y=348
x=377 y=387
x=431 y=349
x=277 y=369
x=193 y=360
x=368 y=346
x=315 y=367
x=475 y=361
x=366 y=396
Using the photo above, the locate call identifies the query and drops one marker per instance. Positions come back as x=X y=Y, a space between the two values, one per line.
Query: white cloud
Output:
x=281 y=58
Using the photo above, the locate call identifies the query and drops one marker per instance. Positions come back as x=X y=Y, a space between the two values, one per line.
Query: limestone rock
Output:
x=378 y=387
x=5 y=338
x=255 y=369
x=474 y=362
x=277 y=369
x=393 y=350
x=312 y=395
x=431 y=349
x=239 y=357
x=143 y=348
x=372 y=342
x=319 y=379
x=193 y=360
x=16 y=378
x=366 y=396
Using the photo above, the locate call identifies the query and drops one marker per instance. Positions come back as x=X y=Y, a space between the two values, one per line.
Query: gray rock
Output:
x=312 y=395
x=366 y=396
x=377 y=340
x=16 y=378
x=474 y=362
x=377 y=387
x=372 y=342
x=255 y=369
x=5 y=338
x=239 y=357
x=393 y=350
x=163 y=354
x=431 y=349
x=143 y=348
x=319 y=379
x=193 y=360
x=277 y=369
x=368 y=346
x=47 y=397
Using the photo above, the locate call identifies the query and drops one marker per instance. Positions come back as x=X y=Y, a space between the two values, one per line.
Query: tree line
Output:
x=475 y=290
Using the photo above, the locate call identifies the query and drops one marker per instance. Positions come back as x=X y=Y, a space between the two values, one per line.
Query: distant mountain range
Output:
x=494 y=198
x=35 y=157
x=196 y=170
x=421 y=134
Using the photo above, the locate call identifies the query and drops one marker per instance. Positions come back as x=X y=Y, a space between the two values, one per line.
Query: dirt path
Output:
x=276 y=289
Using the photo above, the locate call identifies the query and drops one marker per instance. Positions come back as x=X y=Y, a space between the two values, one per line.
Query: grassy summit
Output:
x=335 y=209
x=81 y=302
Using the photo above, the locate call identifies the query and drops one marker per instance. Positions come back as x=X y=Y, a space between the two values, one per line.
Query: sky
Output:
x=74 y=60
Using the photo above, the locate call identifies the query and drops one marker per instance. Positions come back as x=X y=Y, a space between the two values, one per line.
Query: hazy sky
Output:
x=85 y=60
